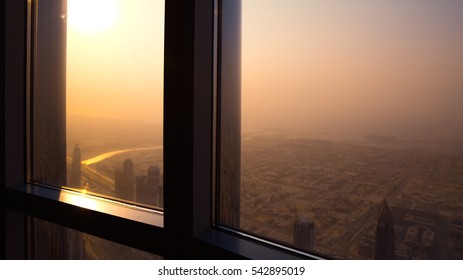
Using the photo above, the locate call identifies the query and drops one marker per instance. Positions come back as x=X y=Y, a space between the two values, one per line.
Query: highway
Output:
x=113 y=153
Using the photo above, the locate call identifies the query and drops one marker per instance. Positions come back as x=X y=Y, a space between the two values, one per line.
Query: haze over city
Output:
x=360 y=66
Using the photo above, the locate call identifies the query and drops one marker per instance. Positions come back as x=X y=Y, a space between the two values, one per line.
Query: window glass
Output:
x=98 y=97
x=352 y=127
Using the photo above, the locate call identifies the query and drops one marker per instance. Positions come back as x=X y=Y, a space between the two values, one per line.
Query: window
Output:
x=36 y=199
x=104 y=60
x=201 y=85
x=95 y=107
x=351 y=128
x=187 y=230
x=114 y=109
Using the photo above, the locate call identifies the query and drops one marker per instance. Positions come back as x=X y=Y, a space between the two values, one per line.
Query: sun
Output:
x=92 y=16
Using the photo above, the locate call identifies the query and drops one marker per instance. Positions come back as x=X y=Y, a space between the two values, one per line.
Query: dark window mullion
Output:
x=178 y=126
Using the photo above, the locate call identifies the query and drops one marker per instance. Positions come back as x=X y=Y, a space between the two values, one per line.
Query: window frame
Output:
x=190 y=72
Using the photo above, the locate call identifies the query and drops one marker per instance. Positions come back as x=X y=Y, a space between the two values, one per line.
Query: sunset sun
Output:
x=92 y=16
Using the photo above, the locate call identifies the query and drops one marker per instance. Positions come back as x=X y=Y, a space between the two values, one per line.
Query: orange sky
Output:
x=332 y=65
x=313 y=65
x=116 y=71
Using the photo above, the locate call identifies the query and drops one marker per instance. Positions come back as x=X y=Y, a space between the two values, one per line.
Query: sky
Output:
x=360 y=66
x=115 y=59
x=353 y=65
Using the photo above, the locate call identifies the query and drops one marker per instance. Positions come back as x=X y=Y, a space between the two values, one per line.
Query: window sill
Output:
x=118 y=222
x=230 y=245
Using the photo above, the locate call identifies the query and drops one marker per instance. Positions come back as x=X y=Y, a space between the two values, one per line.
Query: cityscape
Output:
x=350 y=198
x=126 y=166
x=374 y=197
x=101 y=161
x=120 y=182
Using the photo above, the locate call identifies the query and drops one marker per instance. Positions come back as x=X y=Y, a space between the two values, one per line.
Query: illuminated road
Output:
x=113 y=153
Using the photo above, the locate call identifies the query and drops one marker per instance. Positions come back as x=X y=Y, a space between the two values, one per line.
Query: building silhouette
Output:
x=304 y=233
x=153 y=182
x=385 y=235
x=161 y=193
x=124 y=181
x=75 y=173
x=149 y=188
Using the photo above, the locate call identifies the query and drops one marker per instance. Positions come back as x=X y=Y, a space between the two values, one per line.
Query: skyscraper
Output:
x=148 y=187
x=75 y=174
x=385 y=235
x=124 y=181
x=153 y=182
x=304 y=233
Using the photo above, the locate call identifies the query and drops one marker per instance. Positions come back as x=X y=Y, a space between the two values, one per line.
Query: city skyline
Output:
x=127 y=181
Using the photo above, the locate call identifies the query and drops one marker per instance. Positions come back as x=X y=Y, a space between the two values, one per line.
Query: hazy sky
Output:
x=115 y=58
x=322 y=65
x=353 y=65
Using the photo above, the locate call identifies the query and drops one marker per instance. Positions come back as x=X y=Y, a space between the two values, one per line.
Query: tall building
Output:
x=153 y=182
x=124 y=181
x=304 y=233
x=75 y=174
x=161 y=194
x=141 y=189
x=385 y=235
x=148 y=187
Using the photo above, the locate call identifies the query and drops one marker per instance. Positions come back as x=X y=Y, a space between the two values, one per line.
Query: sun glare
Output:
x=79 y=200
x=92 y=16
